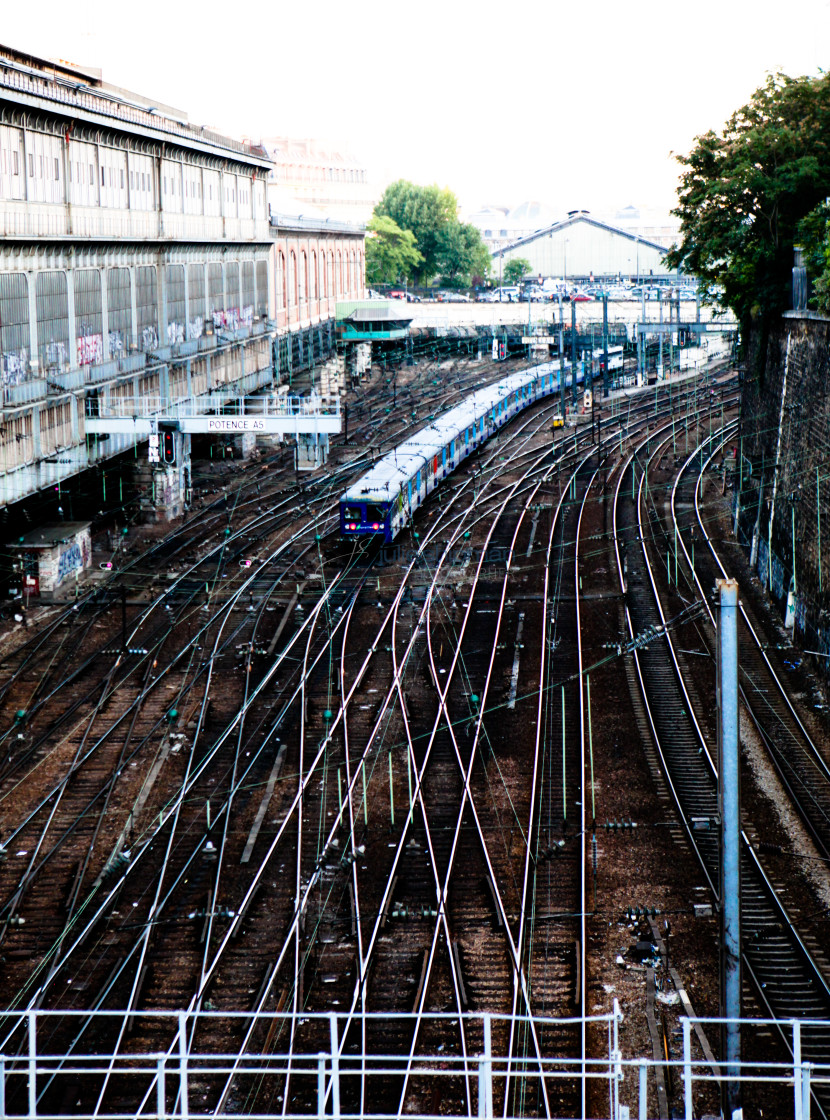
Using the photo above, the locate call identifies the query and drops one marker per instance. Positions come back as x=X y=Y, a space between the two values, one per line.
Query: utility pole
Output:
x=606 y=373
x=573 y=352
x=561 y=359
x=729 y=804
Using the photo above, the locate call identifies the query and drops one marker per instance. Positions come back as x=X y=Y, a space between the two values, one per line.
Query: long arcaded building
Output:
x=138 y=259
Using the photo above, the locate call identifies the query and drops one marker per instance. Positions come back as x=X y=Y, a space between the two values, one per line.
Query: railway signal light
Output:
x=168 y=448
x=172 y=715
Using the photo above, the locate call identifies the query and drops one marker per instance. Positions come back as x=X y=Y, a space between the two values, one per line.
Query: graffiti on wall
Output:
x=14 y=367
x=90 y=349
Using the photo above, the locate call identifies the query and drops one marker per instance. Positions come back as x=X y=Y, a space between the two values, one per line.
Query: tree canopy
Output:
x=515 y=270
x=391 y=254
x=462 y=254
x=446 y=246
x=744 y=193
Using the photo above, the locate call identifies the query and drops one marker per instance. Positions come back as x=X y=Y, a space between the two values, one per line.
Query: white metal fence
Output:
x=183 y=1065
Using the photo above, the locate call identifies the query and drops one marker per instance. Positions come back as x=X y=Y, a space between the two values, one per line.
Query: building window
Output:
x=174 y=282
x=89 y=337
x=216 y=297
x=52 y=320
x=119 y=310
x=262 y=288
x=14 y=328
x=146 y=299
x=196 y=300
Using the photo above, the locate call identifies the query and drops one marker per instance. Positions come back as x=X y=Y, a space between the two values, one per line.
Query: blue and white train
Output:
x=382 y=501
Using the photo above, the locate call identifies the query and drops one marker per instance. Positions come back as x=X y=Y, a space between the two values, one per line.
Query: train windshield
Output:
x=375 y=513
x=352 y=513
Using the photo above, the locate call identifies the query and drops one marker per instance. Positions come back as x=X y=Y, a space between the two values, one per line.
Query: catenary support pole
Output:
x=605 y=371
x=573 y=352
x=730 y=811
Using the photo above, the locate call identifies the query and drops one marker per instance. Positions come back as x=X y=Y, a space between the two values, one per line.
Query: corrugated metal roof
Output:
x=46 y=536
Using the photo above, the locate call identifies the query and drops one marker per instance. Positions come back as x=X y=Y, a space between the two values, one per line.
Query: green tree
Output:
x=426 y=211
x=515 y=270
x=743 y=193
x=814 y=237
x=461 y=255
x=391 y=254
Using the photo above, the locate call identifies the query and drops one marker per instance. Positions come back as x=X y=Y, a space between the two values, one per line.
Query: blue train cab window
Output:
x=409 y=491
x=444 y=456
x=375 y=515
x=452 y=447
x=418 y=481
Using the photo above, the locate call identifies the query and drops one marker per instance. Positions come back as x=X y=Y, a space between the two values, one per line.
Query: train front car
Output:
x=361 y=518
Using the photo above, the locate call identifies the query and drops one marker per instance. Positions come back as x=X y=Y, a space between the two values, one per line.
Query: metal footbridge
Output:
x=215 y=413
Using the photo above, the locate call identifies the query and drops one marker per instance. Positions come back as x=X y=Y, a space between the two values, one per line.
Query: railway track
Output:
x=784 y=978
x=390 y=677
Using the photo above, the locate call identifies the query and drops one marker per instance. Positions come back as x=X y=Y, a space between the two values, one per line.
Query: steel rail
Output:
x=363 y=965
x=816 y=983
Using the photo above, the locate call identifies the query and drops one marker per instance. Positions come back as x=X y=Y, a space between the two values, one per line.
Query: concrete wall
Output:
x=786 y=447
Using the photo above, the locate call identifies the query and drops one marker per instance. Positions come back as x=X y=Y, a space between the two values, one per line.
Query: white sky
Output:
x=576 y=103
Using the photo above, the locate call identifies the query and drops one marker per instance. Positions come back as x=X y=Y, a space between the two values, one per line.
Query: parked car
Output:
x=506 y=295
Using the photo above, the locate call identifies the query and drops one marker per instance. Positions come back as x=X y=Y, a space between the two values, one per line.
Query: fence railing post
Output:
x=805 y=1090
x=487 y=1066
x=643 y=1109
x=321 y=1086
x=2 y=1084
x=797 y=1095
x=183 y=1088
x=687 y=1068
x=161 y=1088
x=335 y=1067
x=32 y=1017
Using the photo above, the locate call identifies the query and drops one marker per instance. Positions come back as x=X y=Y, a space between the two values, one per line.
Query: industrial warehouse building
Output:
x=582 y=248
x=139 y=260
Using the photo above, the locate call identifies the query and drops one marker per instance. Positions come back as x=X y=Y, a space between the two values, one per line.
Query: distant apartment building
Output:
x=314 y=178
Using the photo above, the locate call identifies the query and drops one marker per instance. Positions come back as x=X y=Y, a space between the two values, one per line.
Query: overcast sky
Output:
x=578 y=104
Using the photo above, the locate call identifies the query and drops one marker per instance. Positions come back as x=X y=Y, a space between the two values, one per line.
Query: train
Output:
x=381 y=502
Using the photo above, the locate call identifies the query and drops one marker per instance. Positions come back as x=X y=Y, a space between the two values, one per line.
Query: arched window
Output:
x=330 y=292
x=303 y=281
x=292 y=279
x=312 y=276
x=280 y=281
